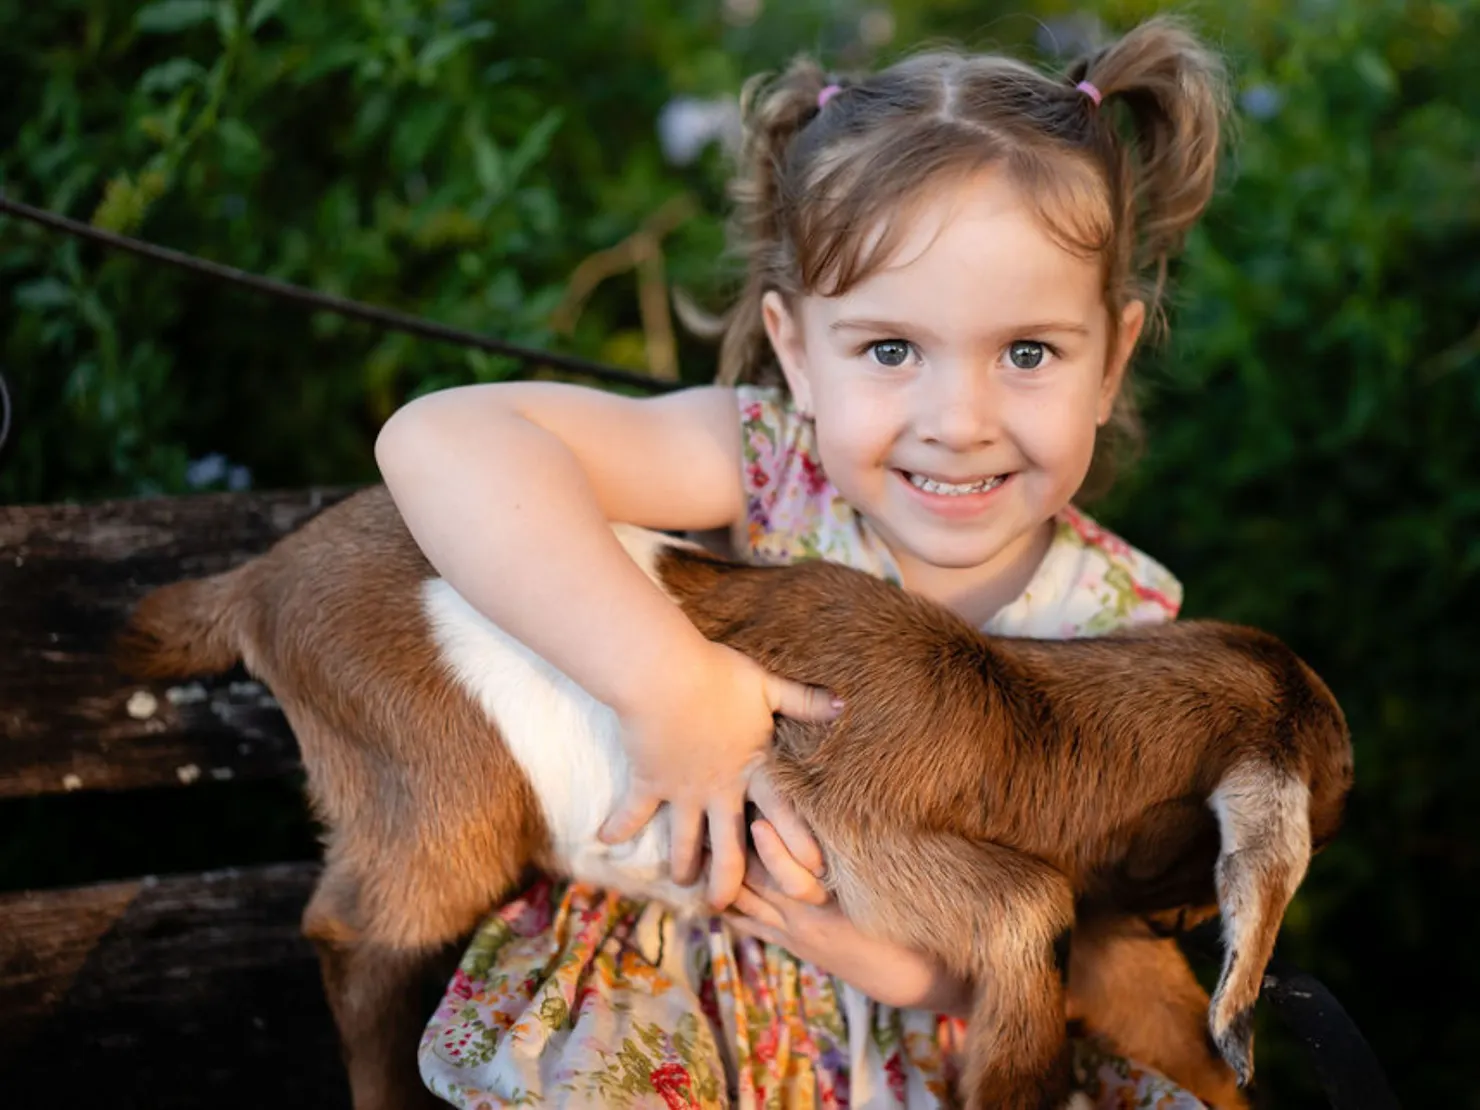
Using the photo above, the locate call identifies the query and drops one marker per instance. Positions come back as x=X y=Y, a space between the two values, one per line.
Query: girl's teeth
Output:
x=948 y=489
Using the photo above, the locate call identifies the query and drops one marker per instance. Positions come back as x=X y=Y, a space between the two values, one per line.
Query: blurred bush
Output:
x=1313 y=468
x=1312 y=463
x=410 y=154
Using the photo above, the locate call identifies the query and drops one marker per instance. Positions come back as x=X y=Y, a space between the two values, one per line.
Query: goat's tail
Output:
x=185 y=628
x=1264 y=818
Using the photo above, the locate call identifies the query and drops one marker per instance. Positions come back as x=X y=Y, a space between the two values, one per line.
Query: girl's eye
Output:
x=890 y=352
x=1025 y=354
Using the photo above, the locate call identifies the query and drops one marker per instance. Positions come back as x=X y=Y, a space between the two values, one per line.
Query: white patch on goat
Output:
x=1264 y=822
x=567 y=742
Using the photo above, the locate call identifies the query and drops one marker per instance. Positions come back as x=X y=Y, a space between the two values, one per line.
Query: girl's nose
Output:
x=956 y=409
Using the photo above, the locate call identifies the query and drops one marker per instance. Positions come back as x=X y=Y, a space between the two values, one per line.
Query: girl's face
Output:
x=957 y=391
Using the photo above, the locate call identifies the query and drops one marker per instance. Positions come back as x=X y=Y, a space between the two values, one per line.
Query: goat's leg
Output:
x=994 y=916
x=1263 y=817
x=378 y=994
x=1135 y=988
x=387 y=927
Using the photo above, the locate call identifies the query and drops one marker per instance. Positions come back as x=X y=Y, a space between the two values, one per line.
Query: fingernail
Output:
x=837 y=702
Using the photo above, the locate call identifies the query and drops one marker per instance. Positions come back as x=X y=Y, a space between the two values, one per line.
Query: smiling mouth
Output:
x=953 y=489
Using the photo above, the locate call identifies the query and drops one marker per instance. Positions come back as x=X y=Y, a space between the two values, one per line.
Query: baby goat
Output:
x=977 y=798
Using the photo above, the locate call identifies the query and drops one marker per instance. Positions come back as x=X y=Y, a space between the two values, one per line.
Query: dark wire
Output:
x=308 y=298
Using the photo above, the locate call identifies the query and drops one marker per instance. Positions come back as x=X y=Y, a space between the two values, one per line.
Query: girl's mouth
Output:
x=954 y=501
x=943 y=488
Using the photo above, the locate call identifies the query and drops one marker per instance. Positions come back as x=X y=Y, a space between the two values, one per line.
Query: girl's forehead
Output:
x=977 y=246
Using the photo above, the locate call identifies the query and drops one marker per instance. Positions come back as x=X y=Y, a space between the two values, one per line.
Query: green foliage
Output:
x=1312 y=463
x=410 y=154
x=1313 y=466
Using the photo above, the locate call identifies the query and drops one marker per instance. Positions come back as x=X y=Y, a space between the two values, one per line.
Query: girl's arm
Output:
x=508 y=489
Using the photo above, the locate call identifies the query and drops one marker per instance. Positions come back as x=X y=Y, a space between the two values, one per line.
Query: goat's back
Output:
x=436 y=744
x=1078 y=751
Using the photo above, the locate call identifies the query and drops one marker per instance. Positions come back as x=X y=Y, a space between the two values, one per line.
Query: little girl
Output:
x=950 y=263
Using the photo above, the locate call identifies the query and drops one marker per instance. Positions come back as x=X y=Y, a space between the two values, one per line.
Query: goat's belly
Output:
x=567 y=743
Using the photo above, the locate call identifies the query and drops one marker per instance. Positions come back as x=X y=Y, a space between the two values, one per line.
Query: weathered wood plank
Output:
x=68 y=575
x=187 y=991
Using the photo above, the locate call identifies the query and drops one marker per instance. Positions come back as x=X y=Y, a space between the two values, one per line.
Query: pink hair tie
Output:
x=827 y=93
x=1090 y=91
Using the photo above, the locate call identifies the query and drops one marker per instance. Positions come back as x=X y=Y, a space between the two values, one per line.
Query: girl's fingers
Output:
x=751 y=907
x=759 y=880
x=790 y=877
x=686 y=828
x=801 y=702
x=793 y=831
x=629 y=817
x=750 y=927
x=726 y=851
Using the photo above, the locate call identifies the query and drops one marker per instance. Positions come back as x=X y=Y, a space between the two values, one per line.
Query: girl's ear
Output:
x=785 y=333
x=1132 y=321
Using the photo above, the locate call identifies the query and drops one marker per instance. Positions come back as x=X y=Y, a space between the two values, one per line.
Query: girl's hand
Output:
x=700 y=746
x=783 y=903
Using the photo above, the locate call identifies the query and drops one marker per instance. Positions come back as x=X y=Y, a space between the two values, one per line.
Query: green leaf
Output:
x=169 y=76
x=438 y=50
x=93 y=313
x=227 y=21
x=442 y=47
x=534 y=144
x=241 y=149
x=261 y=12
x=43 y=293
x=375 y=110
x=419 y=128
x=333 y=57
x=122 y=208
x=1375 y=71
x=488 y=163
x=168 y=16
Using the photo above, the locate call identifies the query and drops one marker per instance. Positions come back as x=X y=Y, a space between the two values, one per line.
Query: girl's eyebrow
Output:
x=1055 y=326
x=894 y=327
x=882 y=327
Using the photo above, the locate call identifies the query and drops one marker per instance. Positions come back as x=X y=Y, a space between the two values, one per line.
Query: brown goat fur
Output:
x=977 y=798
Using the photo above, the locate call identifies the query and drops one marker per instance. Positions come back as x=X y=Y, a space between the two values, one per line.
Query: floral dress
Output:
x=575 y=996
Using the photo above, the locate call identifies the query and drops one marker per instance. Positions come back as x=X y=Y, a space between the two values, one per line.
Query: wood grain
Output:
x=68 y=576
x=184 y=991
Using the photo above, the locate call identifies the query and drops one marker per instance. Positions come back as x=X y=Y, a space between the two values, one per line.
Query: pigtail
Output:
x=1161 y=174
x=774 y=109
x=1174 y=91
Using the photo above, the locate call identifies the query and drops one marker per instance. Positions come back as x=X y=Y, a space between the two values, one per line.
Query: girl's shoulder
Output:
x=767 y=411
x=792 y=510
x=776 y=447
x=1090 y=582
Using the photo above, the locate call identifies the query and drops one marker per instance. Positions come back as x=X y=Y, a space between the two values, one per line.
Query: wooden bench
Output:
x=164 y=991
x=188 y=990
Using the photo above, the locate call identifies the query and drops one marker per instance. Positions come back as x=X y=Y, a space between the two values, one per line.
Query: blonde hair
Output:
x=816 y=186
